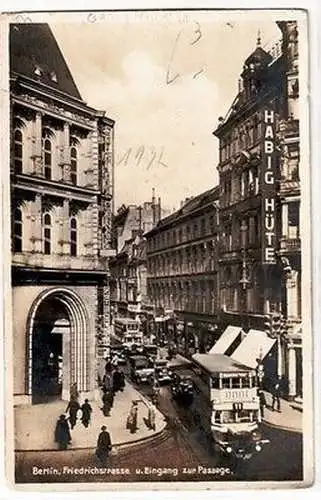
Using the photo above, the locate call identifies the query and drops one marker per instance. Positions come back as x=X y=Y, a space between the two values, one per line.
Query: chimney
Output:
x=140 y=218
x=153 y=208
x=159 y=210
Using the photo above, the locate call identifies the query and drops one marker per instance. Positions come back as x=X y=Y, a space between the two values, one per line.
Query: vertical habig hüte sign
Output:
x=268 y=188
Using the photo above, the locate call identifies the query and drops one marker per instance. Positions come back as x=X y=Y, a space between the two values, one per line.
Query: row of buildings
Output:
x=227 y=257
x=231 y=256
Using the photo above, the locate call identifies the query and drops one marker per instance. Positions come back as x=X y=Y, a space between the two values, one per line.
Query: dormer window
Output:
x=53 y=76
x=38 y=71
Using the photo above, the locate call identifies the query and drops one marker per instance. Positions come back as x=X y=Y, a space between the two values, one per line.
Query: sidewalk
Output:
x=290 y=418
x=35 y=425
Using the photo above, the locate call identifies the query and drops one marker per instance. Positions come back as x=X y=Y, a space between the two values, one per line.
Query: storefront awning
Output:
x=226 y=340
x=256 y=345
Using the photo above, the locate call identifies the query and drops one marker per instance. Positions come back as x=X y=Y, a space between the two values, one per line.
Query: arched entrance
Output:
x=57 y=346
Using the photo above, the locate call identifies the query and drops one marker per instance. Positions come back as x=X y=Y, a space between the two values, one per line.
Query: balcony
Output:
x=290 y=245
x=55 y=261
x=289 y=128
x=289 y=187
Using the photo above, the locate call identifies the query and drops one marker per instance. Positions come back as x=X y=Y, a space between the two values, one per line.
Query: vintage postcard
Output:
x=156 y=176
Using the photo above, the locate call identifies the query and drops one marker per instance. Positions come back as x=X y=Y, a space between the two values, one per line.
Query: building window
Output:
x=73 y=165
x=47 y=155
x=18 y=151
x=73 y=236
x=17 y=230
x=294 y=220
x=47 y=234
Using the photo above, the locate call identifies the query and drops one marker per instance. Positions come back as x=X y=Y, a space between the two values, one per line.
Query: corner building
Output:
x=61 y=173
x=260 y=247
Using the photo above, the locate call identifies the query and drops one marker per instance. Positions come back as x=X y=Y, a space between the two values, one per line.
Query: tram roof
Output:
x=219 y=363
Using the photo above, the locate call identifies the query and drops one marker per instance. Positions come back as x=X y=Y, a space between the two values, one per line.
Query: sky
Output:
x=165 y=78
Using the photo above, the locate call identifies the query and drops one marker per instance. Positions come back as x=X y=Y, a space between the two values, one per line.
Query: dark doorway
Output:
x=47 y=352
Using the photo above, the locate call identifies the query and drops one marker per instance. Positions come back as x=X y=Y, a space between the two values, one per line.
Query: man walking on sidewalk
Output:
x=276 y=395
x=103 y=446
x=262 y=402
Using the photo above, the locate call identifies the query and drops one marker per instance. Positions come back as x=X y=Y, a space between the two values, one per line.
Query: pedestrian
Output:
x=62 y=433
x=132 y=418
x=74 y=394
x=151 y=416
x=73 y=407
x=108 y=366
x=108 y=399
x=86 y=413
x=103 y=445
x=121 y=380
x=107 y=383
x=276 y=395
x=262 y=402
x=116 y=380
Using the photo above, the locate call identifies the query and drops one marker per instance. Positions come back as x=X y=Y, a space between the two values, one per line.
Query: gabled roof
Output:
x=34 y=46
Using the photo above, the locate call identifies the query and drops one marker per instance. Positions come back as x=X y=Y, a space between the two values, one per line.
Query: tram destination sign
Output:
x=268 y=187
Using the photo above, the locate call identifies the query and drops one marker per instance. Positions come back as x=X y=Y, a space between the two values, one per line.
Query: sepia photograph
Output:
x=158 y=239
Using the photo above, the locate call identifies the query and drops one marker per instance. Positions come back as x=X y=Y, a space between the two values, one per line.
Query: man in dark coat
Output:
x=86 y=413
x=103 y=445
x=73 y=407
x=108 y=399
x=116 y=380
x=62 y=433
x=262 y=402
x=276 y=395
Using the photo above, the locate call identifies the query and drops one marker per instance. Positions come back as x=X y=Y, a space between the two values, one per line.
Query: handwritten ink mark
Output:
x=198 y=73
x=125 y=158
x=21 y=18
x=171 y=79
x=139 y=154
x=198 y=32
x=230 y=25
x=160 y=158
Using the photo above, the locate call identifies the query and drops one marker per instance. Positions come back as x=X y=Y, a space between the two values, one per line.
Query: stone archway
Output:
x=57 y=345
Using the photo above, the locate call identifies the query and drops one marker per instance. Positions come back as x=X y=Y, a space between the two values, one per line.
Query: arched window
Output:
x=18 y=138
x=73 y=236
x=17 y=230
x=73 y=165
x=47 y=234
x=47 y=152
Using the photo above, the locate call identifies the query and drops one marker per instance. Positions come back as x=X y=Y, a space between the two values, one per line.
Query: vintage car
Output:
x=141 y=369
x=182 y=388
x=163 y=374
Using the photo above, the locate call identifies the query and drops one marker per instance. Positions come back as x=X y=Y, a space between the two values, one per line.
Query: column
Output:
x=37 y=224
x=292 y=294
x=285 y=220
x=64 y=229
x=37 y=145
x=66 y=153
x=292 y=370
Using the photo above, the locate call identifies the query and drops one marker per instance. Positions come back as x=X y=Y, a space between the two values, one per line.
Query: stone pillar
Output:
x=36 y=218
x=285 y=221
x=292 y=370
x=66 y=153
x=66 y=367
x=64 y=229
x=292 y=294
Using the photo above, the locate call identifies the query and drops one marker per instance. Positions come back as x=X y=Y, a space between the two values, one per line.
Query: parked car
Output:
x=141 y=369
x=151 y=351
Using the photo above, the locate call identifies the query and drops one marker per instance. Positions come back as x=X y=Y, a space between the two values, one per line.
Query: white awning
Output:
x=256 y=345
x=226 y=340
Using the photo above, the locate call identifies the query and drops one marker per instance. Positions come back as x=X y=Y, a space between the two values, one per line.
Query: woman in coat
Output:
x=62 y=433
x=86 y=413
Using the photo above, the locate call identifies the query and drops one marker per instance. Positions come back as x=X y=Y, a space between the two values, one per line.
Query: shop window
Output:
x=294 y=219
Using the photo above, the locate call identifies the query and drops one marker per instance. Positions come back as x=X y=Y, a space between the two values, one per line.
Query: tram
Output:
x=226 y=404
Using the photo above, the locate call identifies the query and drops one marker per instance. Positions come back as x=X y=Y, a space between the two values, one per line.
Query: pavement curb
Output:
x=122 y=445
x=282 y=427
